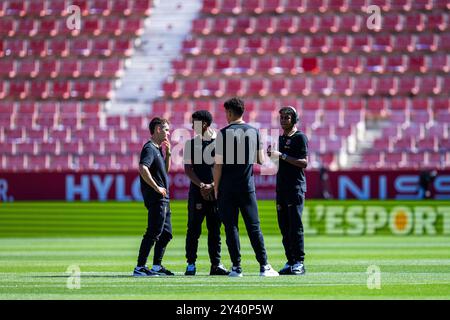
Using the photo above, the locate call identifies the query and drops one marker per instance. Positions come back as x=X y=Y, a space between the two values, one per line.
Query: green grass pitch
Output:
x=40 y=241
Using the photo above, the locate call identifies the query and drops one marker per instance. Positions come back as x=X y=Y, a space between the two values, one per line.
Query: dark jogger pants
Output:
x=158 y=233
x=198 y=209
x=290 y=209
x=229 y=205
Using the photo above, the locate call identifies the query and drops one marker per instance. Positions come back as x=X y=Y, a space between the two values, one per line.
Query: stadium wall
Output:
x=125 y=186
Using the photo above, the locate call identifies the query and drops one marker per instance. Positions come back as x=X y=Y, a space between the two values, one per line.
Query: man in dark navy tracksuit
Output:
x=153 y=169
x=291 y=189
x=198 y=166
x=237 y=149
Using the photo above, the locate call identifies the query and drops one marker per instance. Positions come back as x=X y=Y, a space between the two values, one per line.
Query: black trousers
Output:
x=158 y=233
x=198 y=210
x=289 y=212
x=229 y=205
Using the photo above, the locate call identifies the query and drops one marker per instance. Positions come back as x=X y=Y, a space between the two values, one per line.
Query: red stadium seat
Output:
x=244 y=64
x=70 y=147
x=90 y=68
x=7 y=27
x=36 y=47
x=426 y=144
x=438 y=62
x=299 y=85
x=39 y=89
x=102 y=89
x=191 y=87
x=287 y=64
x=102 y=47
x=201 y=26
x=414 y=22
x=234 y=87
x=81 y=89
x=278 y=86
x=328 y=23
x=123 y=46
x=351 y=64
x=429 y=84
x=15 y=8
x=15 y=47
x=350 y=23
x=91 y=26
x=46 y=120
x=133 y=26
x=18 y=89
x=342 y=85
x=81 y=46
x=111 y=67
x=59 y=47
x=242 y=25
x=264 y=24
x=407 y=85
x=426 y=42
x=287 y=24
x=363 y=85
x=69 y=68
x=316 y=5
x=121 y=7
x=36 y=8
x=392 y=22
x=60 y=89
x=252 y=6
x=7 y=68
x=295 y=6
x=111 y=26
x=141 y=6
x=417 y=63
x=320 y=85
x=26 y=28
x=307 y=24
x=329 y=64
x=125 y=162
x=222 y=25
x=422 y=5
x=231 y=7
x=98 y=7
x=26 y=148
x=212 y=87
x=272 y=6
x=256 y=86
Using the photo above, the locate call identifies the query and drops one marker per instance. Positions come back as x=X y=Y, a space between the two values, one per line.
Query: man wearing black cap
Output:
x=291 y=189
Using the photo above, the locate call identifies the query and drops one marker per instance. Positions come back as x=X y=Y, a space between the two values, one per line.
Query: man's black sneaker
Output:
x=144 y=272
x=287 y=269
x=219 y=270
x=190 y=270
x=236 y=272
x=163 y=271
x=298 y=269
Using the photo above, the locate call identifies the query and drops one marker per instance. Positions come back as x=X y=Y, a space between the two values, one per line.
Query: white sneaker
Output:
x=236 y=272
x=267 y=271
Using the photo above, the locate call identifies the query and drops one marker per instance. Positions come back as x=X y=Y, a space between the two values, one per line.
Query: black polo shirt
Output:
x=289 y=177
x=200 y=154
x=152 y=157
x=238 y=144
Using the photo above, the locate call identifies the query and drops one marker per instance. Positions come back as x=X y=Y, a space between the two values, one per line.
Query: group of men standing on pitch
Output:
x=220 y=168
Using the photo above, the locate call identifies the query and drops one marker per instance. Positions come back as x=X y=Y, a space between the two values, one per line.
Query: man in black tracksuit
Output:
x=153 y=168
x=291 y=189
x=237 y=149
x=198 y=166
